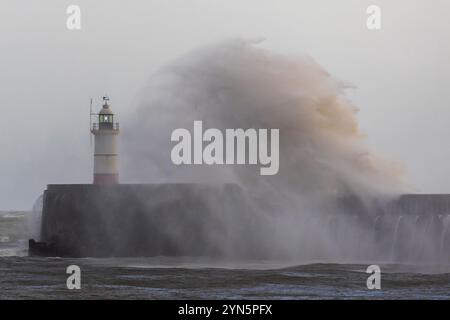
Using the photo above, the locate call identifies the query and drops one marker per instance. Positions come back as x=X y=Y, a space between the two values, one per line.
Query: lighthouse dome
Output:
x=106 y=109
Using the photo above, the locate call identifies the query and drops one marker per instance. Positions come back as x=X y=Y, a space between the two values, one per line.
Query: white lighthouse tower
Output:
x=106 y=169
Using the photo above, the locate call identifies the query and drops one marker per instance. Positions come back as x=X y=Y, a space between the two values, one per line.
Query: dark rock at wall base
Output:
x=41 y=248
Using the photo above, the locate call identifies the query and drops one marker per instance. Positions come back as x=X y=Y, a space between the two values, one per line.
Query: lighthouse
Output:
x=105 y=131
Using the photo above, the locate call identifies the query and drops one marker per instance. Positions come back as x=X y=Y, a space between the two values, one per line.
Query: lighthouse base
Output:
x=106 y=178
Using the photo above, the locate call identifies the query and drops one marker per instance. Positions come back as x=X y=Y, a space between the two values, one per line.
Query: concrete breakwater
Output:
x=223 y=221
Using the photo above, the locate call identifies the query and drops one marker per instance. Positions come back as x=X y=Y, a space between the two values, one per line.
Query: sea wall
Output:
x=225 y=221
x=132 y=220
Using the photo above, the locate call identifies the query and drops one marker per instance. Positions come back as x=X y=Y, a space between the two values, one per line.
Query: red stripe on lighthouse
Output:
x=106 y=178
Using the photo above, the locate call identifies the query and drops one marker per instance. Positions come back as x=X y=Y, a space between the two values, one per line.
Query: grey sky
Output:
x=48 y=74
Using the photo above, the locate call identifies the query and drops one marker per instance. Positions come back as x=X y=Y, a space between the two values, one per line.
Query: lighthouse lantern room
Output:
x=106 y=169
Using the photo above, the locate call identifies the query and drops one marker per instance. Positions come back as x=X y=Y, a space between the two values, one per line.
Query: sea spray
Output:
x=34 y=219
x=236 y=84
x=323 y=155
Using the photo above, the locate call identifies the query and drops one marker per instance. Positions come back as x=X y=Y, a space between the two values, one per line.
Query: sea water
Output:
x=23 y=277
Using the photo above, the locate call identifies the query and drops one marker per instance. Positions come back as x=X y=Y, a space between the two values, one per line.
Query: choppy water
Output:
x=23 y=277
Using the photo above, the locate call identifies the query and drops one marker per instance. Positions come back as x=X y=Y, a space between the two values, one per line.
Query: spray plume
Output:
x=323 y=156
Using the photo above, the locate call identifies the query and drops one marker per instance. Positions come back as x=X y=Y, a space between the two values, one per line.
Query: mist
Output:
x=324 y=157
x=237 y=84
